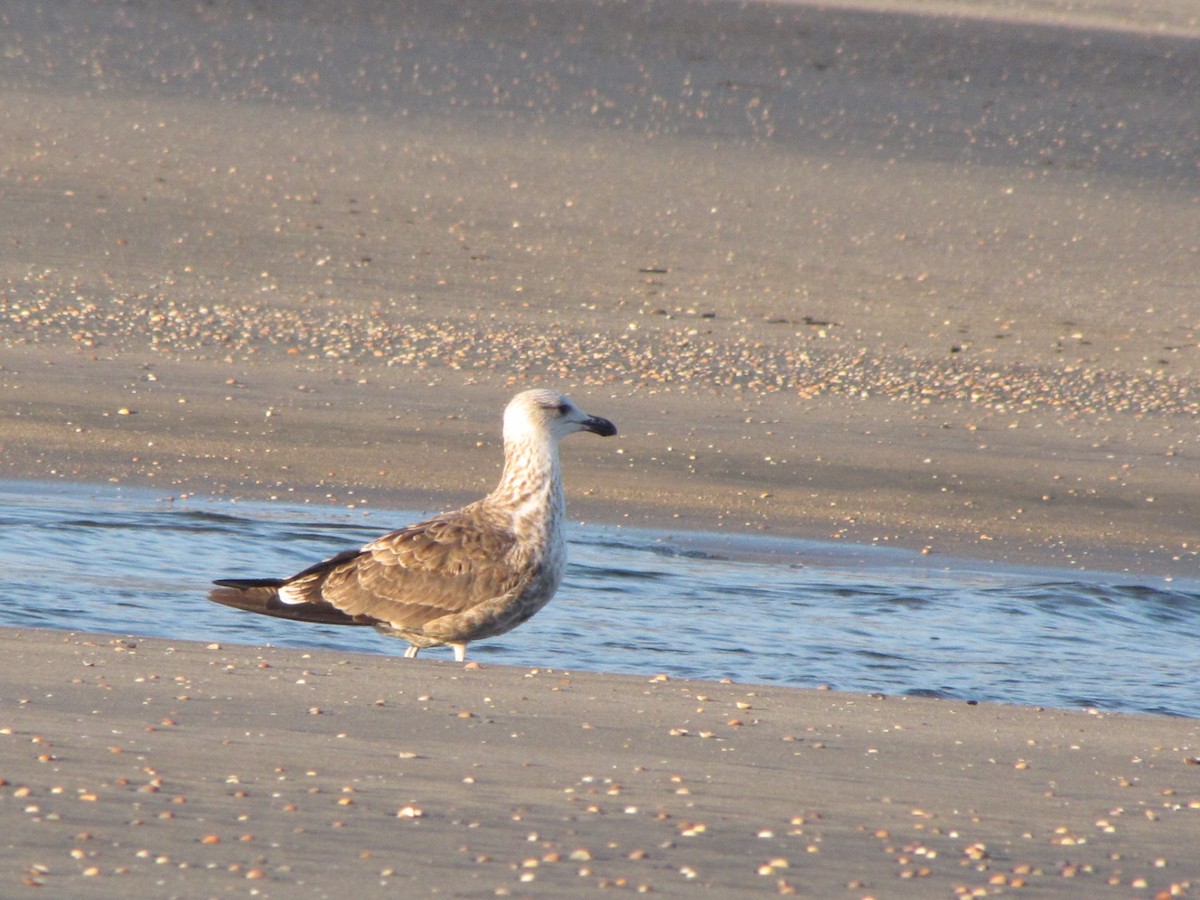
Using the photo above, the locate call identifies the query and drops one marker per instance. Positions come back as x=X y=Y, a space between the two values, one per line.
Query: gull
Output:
x=460 y=576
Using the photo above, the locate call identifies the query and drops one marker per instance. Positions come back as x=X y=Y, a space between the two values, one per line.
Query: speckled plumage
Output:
x=458 y=577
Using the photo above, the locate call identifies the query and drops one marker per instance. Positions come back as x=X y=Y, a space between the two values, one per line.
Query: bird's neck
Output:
x=531 y=484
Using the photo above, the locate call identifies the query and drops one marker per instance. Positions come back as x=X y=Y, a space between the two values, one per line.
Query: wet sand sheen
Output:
x=1098 y=493
x=161 y=767
x=639 y=602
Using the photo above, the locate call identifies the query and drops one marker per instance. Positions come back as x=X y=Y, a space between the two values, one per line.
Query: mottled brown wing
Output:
x=413 y=576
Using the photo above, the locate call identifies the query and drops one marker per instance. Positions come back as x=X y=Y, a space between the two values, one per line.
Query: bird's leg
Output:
x=412 y=651
x=460 y=652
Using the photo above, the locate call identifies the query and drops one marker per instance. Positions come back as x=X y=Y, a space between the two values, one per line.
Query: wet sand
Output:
x=917 y=274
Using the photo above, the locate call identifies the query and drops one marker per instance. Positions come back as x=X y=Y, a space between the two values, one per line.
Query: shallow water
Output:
x=106 y=559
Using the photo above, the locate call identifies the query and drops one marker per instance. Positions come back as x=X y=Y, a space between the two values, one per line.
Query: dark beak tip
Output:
x=602 y=427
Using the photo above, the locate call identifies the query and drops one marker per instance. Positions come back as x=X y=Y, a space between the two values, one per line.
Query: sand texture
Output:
x=137 y=767
x=915 y=273
x=877 y=273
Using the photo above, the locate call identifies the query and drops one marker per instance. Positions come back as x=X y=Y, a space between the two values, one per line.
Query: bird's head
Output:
x=535 y=413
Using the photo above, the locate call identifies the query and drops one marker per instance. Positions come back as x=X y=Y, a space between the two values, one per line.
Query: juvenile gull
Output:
x=461 y=576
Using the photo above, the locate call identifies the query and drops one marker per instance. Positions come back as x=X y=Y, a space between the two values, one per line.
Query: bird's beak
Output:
x=597 y=425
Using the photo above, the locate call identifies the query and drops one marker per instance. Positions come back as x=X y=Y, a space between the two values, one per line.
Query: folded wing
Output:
x=405 y=579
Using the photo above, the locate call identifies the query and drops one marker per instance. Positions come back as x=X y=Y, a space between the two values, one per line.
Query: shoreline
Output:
x=758 y=547
x=1037 y=491
x=766 y=611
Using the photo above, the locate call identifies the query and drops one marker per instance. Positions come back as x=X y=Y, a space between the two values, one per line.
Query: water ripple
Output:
x=97 y=558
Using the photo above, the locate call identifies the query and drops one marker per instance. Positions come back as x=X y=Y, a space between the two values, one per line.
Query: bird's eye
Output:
x=563 y=409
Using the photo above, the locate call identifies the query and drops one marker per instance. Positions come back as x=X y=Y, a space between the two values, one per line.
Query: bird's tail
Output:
x=261 y=595
x=252 y=595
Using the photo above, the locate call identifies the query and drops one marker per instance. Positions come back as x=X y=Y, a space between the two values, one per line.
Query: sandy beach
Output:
x=914 y=273
x=857 y=273
x=153 y=768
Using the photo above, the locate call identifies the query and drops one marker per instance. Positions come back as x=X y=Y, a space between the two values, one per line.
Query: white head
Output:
x=544 y=413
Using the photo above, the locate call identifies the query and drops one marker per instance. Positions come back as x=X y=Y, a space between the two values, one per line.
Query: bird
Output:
x=457 y=577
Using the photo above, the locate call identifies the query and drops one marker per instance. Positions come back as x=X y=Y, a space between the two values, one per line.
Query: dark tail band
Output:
x=261 y=595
